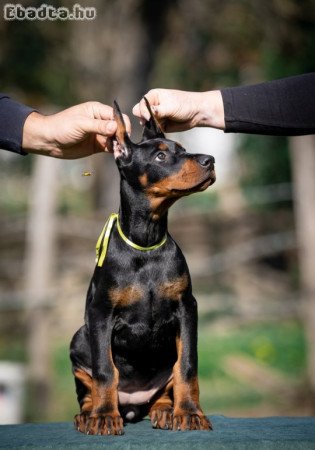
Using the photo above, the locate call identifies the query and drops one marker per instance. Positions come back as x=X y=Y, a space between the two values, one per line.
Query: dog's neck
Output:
x=136 y=219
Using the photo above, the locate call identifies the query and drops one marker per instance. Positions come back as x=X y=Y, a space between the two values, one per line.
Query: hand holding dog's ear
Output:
x=76 y=132
x=180 y=110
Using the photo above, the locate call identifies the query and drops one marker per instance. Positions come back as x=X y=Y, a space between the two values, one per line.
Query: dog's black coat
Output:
x=140 y=332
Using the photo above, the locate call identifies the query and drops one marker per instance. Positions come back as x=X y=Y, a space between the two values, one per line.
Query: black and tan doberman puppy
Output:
x=137 y=352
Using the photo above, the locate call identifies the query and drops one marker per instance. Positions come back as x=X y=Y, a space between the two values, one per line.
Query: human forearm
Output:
x=211 y=113
x=35 y=138
x=12 y=119
x=279 y=107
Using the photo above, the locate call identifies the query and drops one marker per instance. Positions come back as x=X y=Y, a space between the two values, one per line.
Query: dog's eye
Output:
x=161 y=156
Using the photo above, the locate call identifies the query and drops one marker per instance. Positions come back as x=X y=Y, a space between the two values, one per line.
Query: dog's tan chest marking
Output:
x=174 y=289
x=122 y=297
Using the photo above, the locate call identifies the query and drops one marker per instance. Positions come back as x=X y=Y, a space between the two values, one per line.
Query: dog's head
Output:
x=158 y=166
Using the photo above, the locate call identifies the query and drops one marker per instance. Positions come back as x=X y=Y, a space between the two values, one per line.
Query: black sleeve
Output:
x=12 y=118
x=284 y=107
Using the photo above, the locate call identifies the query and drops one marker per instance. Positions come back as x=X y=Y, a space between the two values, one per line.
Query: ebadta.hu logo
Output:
x=47 y=12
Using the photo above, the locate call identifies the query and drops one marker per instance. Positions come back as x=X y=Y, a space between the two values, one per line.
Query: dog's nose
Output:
x=206 y=160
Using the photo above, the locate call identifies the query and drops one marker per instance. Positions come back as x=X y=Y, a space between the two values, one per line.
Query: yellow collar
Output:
x=104 y=239
x=136 y=246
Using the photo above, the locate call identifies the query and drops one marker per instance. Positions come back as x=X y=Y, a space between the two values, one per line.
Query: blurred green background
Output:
x=242 y=238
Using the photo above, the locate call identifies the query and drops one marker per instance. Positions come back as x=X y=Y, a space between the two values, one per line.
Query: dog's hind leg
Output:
x=83 y=382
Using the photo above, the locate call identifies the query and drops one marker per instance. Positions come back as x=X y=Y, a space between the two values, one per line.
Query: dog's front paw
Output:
x=162 y=418
x=191 y=421
x=80 y=421
x=104 y=424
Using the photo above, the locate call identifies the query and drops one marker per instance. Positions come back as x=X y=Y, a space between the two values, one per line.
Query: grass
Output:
x=280 y=346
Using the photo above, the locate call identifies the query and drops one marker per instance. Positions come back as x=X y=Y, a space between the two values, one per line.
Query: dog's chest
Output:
x=145 y=324
x=146 y=291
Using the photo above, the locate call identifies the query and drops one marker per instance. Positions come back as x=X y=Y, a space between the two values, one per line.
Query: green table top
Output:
x=229 y=433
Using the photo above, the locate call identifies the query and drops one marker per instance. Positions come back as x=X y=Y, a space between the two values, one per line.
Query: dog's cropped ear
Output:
x=122 y=142
x=152 y=128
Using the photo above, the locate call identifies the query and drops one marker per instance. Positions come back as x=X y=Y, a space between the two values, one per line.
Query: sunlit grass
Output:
x=278 y=346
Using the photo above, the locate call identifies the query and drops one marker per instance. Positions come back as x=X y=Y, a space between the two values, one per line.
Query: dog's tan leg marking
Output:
x=161 y=411
x=188 y=414
x=80 y=420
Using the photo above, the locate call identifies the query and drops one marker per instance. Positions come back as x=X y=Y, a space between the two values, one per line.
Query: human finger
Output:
x=104 y=127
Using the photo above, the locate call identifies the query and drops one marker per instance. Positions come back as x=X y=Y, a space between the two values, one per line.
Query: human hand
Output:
x=76 y=132
x=181 y=110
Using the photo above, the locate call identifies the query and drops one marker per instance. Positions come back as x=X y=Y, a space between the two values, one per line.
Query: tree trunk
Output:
x=303 y=164
x=40 y=255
